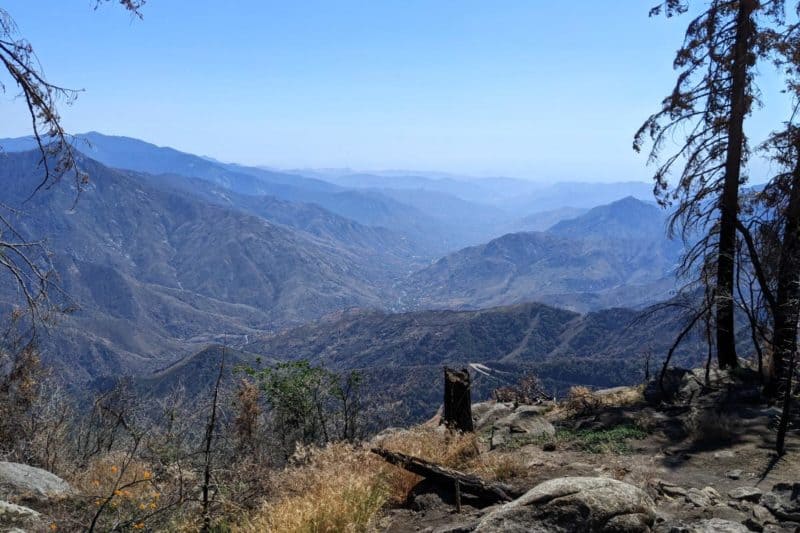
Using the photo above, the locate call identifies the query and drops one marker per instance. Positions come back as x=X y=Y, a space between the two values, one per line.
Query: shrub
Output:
x=582 y=400
x=610 y=440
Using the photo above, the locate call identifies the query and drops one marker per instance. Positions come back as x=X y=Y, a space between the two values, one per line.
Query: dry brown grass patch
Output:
x=498 y=466
x=340 y=488
x=446 y=448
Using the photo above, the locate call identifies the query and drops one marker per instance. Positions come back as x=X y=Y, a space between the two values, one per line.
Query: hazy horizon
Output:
x=539 y=92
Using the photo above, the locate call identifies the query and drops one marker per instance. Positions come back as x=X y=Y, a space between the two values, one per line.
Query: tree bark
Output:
x=457 y=400
x=729 y=202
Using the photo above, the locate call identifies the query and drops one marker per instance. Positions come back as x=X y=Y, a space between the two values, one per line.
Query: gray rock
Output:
x=526 y=419
x=762 y=515
x=671 y=490
x=654 y=393
x=724 y=454
x=12 y=515
x=574 y=504
x=23 y=481
x=460 y=527
x=774 y=528
x=734 y=474
x=717 y=525
x=712 y=494
x=698 y=498
x=485 y=414
x=783 y=501
x=751 y=494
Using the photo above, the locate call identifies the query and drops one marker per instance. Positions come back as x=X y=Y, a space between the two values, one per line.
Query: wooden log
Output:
x=448 y=478
x=457 y=400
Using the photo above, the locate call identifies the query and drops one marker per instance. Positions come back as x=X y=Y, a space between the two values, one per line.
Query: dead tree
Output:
x=449 y=478
x=457 y=400
x=706 y=109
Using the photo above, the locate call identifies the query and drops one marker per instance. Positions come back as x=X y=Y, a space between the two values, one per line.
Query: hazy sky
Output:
x=530 y=88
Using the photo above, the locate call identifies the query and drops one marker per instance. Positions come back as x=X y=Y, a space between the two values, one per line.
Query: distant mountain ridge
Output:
x=157 y=273
x=401 y=355
x=162 y=265
x=438 y=214
x=587 y=263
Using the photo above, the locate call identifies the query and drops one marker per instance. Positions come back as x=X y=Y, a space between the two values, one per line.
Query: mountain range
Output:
x=165 y=253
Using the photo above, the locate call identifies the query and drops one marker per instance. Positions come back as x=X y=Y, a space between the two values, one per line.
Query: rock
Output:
x=724 y=454
x=751 y=494
x=698 y=498
x=654 y=394
x=762 y=515
x=485 y=414
x=783 y=501
x=712 y=494
x=460 y=527
x=574 y=504
x=28 y=482
x=717 y=525
x=428 y=500
x=669 y=489
x=774 y=528
x=526 y=419
x=734 y=474
x=12 y=515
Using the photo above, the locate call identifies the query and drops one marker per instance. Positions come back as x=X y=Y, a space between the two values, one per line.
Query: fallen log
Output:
x=448 y=478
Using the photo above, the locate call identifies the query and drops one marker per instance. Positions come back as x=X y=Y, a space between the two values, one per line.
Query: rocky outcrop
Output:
x=711 y=525
x=784 y=501
x=503 y=420
x=574 y=504
x=747 y=509
x=13 y=517
x=22 y=482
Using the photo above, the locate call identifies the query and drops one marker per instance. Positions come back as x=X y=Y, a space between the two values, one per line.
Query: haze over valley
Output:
x=165 y=253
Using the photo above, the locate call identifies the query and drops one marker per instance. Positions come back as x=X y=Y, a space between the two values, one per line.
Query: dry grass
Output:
x=433 y=444
x=581 y=400
x=340 y=488
x=498 y=466
x=453 y=450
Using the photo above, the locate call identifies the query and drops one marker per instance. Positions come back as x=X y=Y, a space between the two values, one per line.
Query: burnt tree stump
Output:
x=457 y=400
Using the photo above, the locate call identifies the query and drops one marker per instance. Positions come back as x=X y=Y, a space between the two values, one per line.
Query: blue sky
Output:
x=528 y=88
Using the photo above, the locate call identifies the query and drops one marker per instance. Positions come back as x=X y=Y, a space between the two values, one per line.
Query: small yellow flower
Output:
x=114 y=469
x=147 y=474
x=98 y=502
x=153 y=505
x=142 y=507
x=138 y=525
x=117 y=492
x=53 y=527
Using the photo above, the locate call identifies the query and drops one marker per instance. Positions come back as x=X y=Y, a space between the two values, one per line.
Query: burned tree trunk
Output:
x=457 y=400
x=447 y=477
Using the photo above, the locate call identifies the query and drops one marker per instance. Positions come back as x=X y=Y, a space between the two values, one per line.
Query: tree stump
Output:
x=457 y=400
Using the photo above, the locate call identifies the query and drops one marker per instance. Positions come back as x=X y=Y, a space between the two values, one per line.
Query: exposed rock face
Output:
x=784 y=501
x=752 y=494
x=712 y=525
x=574 y=504
x=16 y=516
x=505 y=421
x=27 y=482
x=487 y=413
